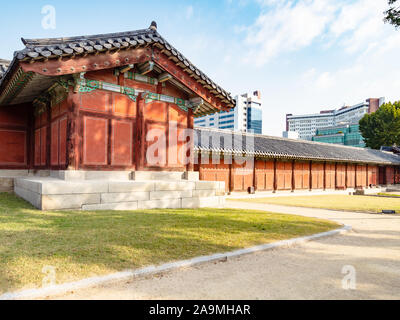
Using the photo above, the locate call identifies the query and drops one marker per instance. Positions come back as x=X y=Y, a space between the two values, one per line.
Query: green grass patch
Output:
x=370 y=204
x=83 y=244
x=395 y=195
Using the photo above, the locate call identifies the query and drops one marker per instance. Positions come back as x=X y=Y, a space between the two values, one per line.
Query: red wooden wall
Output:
x=340 y=176
x=264 y=175
x=216 y=172
x=119 y=133
x=14 y=136
x=330 y=176
x=302 y=175
x=270 y=175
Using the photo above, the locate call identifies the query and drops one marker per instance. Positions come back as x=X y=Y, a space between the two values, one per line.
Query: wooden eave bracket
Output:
x=164 y=77
x=146 y=67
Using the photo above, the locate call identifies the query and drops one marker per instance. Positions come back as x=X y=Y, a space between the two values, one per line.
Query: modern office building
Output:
x=290 y=135
x=245 y=117
x=307 y=125
x=347 y=134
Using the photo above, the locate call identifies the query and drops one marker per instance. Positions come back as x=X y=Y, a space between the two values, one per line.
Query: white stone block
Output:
x=63 y=202
x=130 y=186
x=209 y=202
x=157 y=175
x=13 y=173
x=28 y=184
x=108 y=175
x=190 y=203
x=123 y=206
x=69 y=187
x=204 y=193
x=175 y=186
x=33 y=198
x=69 y=175
x=192 y=175
x=207 y=185
x=161 y=195
x=39 y=173
x=124 y=197
x=160 y=204
x=222 y=201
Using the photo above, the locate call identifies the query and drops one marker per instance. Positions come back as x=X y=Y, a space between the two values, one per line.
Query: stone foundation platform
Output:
x=75 y=190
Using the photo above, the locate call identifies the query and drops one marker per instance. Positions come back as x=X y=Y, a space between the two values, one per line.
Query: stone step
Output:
x=6 y=184
x=165 y=176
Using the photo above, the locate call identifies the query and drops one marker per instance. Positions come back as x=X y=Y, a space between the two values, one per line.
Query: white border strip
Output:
x=120 y=276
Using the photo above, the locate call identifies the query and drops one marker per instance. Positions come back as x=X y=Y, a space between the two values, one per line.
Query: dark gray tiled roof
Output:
x=3 y=67
x=74 y=46
x=207 y=140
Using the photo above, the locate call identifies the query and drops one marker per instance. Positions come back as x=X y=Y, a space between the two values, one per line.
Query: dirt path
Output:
x=309 y=271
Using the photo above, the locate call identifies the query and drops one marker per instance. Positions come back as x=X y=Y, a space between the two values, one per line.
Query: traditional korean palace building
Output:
x=106 y=122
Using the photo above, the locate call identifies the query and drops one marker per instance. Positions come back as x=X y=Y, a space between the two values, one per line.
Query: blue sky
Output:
x=303 y=55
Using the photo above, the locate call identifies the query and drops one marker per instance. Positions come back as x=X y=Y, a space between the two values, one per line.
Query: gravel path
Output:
x=309 y=271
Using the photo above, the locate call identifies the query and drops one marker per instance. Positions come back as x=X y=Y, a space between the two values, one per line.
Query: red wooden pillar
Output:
x=231 y=177
x=311 y=179
x=345 y=175
x=31 y=138
x=336 y=179
x=324 y=175
x=48 y=136
x=355 y=178
x=140 y=134
x=367 y=176
x=293 y=176
x=275 y=176
x=190 y=125
x=73 y=137
x=254 y=174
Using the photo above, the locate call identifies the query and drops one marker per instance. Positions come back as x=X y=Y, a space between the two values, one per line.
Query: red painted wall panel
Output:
x=361 y=176
x=156 y=146
x=284 y=175
x=264 y=175
x=330 y=176
x=63 y=142
x=12 y=147
x=340 y=176
x=95 y=141
x=302 y=175
x=177 y=115
x=97 y=101
x=372 y=175
x=389 y=175
x=54 y=150
x=122 y=144
x=43 y=146
x=123 y=105
x=13 y=115
x=37 y=148
x=156 y=111
x=351 y=176
x=317 y=175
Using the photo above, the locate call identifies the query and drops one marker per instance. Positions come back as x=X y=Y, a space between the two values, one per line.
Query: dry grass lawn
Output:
x=370 y=204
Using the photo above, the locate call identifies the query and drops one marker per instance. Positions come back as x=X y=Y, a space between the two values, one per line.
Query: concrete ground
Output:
x=309 y=271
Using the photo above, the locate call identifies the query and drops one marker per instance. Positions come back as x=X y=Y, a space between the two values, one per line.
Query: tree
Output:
x=382 y=128
x=392 y=15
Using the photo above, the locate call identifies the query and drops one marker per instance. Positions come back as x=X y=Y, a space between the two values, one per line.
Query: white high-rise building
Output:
x=246 y=117
x=306 y=125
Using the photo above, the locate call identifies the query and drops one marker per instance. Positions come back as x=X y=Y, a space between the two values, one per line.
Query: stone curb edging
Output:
x=121 y=276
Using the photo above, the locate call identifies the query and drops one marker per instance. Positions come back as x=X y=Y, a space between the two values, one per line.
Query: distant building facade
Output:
x=290 y=135
x=245 y=117
x=307 y=125
x=345 y=134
